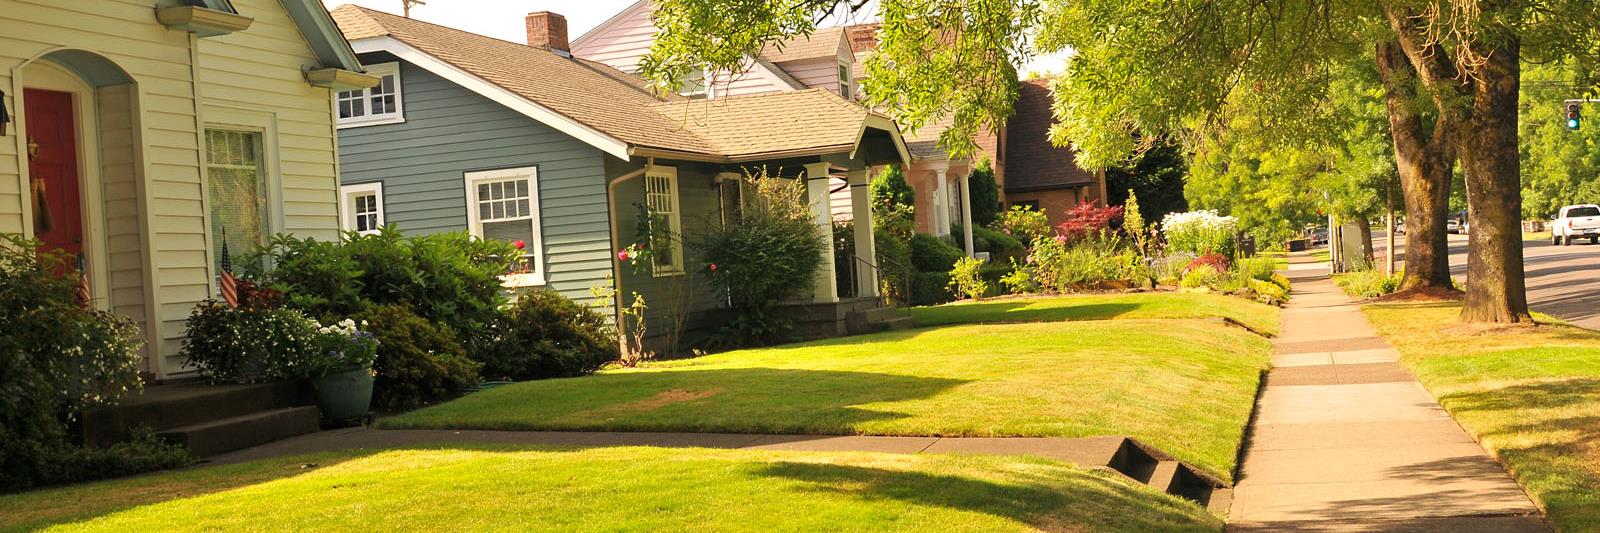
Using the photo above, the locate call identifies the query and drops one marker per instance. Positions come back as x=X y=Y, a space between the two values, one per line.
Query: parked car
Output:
x=1576 y=222
x=1319 y=236
x=1453 y=226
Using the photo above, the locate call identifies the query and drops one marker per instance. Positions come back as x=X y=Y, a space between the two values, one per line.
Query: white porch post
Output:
x=866 y=246
x=941 y=203
x=826 y=289
x=966 y=212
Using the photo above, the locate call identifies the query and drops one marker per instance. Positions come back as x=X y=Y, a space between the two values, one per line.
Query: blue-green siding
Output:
x=448 y=131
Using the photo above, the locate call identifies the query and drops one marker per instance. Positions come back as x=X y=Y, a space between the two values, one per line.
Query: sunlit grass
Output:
x=1257 y=316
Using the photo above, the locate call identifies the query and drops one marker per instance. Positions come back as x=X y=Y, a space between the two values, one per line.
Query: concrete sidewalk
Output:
x=1345 y=439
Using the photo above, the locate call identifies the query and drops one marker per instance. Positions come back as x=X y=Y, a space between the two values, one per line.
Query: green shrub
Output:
x=992 y=273
x=930 y=288
x=1020 y=280
x=418 y=363
x=1262 y=268
x=966 y=279
x=999 y=245
x=1367 y=283
x=27 y=464
x=1280 y=280
x=1203 y=277
x=545 y=335
x=931 y=254
x=448 y=278
x=1024 y=223
x=894 y=262
x=984 y=194
x=1268 y=292
x=56 y=359
x=248 y=344
x=1058 y=266
x=768 y=252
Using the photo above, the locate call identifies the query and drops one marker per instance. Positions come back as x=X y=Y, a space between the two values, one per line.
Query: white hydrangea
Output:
x=1199 y=232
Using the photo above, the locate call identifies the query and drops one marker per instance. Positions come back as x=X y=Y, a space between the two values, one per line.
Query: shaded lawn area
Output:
x=1531 y=395
x=1258 y=316
x=629 y=489
x=1185 y=387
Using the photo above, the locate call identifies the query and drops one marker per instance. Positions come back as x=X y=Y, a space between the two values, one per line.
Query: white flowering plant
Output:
x=1200 y=232
x=342 y=346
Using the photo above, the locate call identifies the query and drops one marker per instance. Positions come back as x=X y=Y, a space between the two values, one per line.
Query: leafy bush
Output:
x=1202 y=277
x=418 y=363
x=1086 y=221
x=768 y=252
x=343 y=346
x=545 y=335
x=966 y=280
x=991 y=273
x=1059 y=266
x=1025 y=223
x=56 y=359
x=1283 y=281
x=1262 y=268
x=1168 y=270
x=999 y=245
x=1199 y=232
x=248 y=344
x=984 y=193
x=890 y=188
x=931 y=254
x=1020 y=280
x=26 y=464
x=1368 y=283
x=930 y=288
x=1213 y=260
x=894 y=260
x=1268 y=292
x=448 y=278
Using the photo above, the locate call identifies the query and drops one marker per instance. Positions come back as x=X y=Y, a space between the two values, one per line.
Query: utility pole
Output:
x=405 y=6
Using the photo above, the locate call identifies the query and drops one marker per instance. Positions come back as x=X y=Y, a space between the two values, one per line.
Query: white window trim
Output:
x=845 y=89
x=475 y=225
x=347 y=206
x=676 y=221
x=399 y=115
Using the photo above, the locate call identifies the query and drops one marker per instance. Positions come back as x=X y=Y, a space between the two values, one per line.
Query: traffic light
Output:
x=1574 y=115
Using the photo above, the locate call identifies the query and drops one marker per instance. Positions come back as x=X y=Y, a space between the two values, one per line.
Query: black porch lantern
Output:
x=5 y=116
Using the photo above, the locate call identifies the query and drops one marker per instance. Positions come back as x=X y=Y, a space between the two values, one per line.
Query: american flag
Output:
x=227 y=284
x=84 y=296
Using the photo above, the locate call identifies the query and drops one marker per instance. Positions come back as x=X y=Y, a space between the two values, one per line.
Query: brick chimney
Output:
x=863 y=37
x=548 y=30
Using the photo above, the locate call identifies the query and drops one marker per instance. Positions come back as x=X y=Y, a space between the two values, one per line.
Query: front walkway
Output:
x=1344 y=438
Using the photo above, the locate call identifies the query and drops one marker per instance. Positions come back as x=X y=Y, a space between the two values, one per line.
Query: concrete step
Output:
x=1165 y=477
x=163 y=407
x=228 y=434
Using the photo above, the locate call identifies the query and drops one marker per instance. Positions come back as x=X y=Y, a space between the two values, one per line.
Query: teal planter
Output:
x=345 y=397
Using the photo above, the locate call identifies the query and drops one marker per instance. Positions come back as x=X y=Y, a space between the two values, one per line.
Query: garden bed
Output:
x=1126 y=305
x=653 y=489
x=1530 y=395
x=1185 y=387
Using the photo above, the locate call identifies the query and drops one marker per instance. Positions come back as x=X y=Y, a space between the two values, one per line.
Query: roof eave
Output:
x=320 y=32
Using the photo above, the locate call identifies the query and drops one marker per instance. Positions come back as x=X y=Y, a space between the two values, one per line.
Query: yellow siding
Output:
x=255 y=71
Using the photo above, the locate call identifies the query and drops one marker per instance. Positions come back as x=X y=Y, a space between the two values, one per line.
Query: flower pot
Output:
x=345 y=397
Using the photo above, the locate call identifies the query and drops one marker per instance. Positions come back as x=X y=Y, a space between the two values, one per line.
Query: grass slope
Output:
x=613 y=489
x=1529 y=394
x=1185 y=387
x=1258 y=316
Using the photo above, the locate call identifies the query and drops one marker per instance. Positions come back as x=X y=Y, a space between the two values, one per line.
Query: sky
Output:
x=502 y=19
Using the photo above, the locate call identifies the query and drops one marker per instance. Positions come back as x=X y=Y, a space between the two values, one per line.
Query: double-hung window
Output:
x=363 y=207
x=504 y=205
x=666 y=223
x=844 y=81
x=237 y=188
x=379 y=104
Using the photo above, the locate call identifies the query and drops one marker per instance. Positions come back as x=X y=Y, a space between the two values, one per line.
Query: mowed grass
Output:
x=1185 y=387
x=1531 y=395
x=613 y=489
x=1257 y=316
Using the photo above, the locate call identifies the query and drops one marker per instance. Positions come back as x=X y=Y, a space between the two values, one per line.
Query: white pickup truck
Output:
x=1576 y=222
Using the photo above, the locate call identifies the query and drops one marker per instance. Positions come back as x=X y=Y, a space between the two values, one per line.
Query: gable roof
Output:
x=1032 y=163
x=825 y=42
x=608 y=108
x=315 y=24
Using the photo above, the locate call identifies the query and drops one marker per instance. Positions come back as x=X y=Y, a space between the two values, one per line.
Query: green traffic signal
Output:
x=1574 y=115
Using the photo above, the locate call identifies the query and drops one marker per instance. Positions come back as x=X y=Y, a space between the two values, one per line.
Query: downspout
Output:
x=616 y=244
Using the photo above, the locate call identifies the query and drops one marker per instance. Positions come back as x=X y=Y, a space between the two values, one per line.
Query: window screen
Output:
x=505 y=211
x=238 y=190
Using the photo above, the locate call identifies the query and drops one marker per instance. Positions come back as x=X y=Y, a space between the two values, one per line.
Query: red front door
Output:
x=52 y=127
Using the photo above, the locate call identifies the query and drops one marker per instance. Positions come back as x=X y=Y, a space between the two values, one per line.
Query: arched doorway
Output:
x=77 y=122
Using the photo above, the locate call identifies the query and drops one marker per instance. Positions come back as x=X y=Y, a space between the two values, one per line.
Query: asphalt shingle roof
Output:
x=822 y=43
x=619 y=104
x=1031 y=161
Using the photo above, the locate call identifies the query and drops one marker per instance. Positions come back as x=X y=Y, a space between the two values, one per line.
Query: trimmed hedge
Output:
x=932 y=254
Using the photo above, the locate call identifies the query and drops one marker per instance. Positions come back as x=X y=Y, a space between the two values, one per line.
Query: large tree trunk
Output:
x=1424 y=161
x=1365 y=224
x=1496 y=284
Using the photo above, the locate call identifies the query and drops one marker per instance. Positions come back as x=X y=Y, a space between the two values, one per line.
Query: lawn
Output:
x=1185 y=387
x=1531 y=395
x=612 y=489
x=1258 y=316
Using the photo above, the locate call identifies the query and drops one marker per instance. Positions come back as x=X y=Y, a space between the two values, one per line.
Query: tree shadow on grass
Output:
x=724 y=400
x=1074 y=501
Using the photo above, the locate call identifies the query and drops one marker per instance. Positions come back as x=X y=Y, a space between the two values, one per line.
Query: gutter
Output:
x=616 y=266
x=640 y=151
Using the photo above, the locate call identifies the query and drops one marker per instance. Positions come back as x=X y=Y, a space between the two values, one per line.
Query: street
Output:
x=1563 y=281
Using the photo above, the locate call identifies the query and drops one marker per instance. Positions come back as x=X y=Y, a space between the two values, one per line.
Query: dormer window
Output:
x=379 y=104
x=844 y=81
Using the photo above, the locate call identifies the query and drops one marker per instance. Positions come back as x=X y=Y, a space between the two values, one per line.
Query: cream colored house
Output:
x=142 y=131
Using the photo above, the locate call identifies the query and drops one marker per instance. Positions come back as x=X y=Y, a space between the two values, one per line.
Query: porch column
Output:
x=966 y=212
x=817 y=193
x=941 y=203
x=866 y=245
